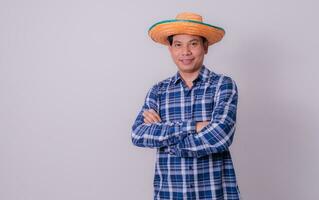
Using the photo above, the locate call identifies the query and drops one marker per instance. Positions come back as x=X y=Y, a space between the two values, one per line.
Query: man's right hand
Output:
x=151 y=116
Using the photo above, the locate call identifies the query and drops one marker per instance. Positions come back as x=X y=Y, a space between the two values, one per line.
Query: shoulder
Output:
x=221 y=80
x=161 y=86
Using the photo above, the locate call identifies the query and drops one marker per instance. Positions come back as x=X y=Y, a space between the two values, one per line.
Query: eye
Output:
x=194 y=44
x=177 y=45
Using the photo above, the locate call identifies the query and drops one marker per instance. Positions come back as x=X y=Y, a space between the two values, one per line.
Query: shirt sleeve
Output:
x=160 y=134
x=218 y=135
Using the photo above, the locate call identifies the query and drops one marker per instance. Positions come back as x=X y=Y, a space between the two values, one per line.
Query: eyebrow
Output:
x=192 y=40
x=195 y=39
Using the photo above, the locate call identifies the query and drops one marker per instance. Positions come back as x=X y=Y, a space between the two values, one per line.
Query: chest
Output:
x=178 y=103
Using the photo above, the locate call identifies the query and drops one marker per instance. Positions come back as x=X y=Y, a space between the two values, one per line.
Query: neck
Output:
x=189 y=77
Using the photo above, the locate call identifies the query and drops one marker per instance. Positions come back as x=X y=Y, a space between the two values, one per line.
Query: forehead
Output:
x=185 y=37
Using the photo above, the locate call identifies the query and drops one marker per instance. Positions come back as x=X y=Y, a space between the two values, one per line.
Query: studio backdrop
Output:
x=74 y=75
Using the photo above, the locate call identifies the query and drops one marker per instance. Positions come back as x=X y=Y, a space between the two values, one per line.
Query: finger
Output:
x=155 y=114
x=147 y=121
x=148 y=118
x=151 y=116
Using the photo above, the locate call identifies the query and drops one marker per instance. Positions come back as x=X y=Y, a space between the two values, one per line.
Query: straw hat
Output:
x=185 y=23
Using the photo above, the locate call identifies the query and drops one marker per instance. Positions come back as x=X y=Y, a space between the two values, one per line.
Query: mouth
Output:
x=186 y=61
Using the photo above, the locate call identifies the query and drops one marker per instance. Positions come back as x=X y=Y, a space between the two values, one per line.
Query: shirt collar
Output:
x=202 y=76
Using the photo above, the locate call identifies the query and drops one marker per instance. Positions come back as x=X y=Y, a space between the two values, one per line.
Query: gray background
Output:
x=74 y=74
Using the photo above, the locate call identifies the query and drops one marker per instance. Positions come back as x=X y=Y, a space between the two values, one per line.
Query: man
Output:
x=190 y=117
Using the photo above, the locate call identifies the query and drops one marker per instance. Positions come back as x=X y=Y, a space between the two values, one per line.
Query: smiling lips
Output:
x=186 y=61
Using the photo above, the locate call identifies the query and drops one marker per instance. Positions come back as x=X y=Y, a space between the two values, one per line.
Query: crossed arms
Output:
x=189 y=138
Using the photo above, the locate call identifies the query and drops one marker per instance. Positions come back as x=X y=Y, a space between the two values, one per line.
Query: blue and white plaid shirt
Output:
x=191 y=165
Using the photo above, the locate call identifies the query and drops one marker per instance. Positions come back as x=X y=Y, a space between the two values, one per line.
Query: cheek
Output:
x=175 y=56
x=199 y=54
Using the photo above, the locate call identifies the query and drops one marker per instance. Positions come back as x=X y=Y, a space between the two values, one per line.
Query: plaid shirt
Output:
x=191 y=165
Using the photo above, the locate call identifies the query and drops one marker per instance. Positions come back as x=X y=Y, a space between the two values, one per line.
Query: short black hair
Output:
x=170 y=39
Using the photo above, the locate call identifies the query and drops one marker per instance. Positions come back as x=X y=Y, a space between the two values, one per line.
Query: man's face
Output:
x=188 y=52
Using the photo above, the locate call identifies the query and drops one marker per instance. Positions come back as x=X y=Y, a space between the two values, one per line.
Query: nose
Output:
x=186 y=50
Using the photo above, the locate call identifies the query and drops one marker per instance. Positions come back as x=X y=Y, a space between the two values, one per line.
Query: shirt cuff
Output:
x=181 y=131
x=189 y=126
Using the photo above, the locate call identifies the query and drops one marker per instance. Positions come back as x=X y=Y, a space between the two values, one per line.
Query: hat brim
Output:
x=161 y=30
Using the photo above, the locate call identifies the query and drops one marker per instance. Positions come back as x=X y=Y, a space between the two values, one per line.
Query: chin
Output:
x=187 y=68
